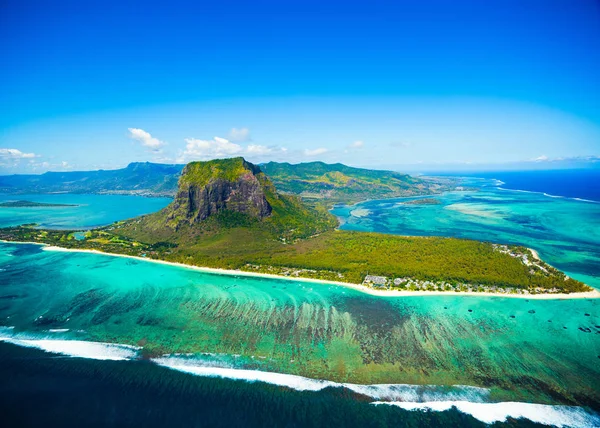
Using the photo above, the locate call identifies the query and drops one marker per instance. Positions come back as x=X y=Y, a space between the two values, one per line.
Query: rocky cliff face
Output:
x=207 y=188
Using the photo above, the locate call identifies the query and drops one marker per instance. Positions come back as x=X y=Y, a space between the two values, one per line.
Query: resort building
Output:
x=376 y=281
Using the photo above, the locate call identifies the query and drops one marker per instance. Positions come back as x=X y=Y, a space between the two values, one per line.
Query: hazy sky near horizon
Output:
x=407 y=84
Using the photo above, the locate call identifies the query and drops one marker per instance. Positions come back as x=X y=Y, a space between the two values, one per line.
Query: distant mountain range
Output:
x=138 y=178
x=345 y=184
x=333 y=183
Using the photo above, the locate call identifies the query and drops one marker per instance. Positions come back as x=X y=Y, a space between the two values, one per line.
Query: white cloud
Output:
x=256 y=149
x=239 y=135
x=48 y=166
x=315 y=152
x=15 y=154
x=357 y=145
x=12 y=157
x=209 y=149
x=583 y=159
x=145 y=139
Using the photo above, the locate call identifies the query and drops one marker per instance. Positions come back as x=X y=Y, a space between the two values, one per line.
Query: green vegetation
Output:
x=313 y=181
x=138 y=178
x=338 y=183
x=334 y=255
x=201 y=173
x=221 y=195
x=30 y=204
x=228 y=214
x=424 y=201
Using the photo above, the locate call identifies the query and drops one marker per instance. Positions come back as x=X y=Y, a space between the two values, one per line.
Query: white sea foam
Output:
x=58 y=330
x=561 y=416
x=586 y=200
x=548 y=195
x=470 y=400
x=392 y=392
x=77 y=348
x=298 y=383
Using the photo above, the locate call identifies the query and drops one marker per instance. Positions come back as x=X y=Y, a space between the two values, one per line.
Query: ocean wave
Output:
x=561 y=416
x=549 y=195
x=467 y=399
x=391 y=392
x=586 y=200
x=77 y=348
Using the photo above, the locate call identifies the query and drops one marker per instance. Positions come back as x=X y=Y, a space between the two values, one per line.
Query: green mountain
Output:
x=232 y=193
x=228 y=214
x=313 y=181
x=141 y=178
x=341 y=183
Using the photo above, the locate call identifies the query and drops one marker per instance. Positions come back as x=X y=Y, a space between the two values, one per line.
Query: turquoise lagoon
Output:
x=89 y=210
x=565 y=232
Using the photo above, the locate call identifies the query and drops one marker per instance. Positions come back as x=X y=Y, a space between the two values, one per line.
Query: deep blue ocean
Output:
x=570 y=183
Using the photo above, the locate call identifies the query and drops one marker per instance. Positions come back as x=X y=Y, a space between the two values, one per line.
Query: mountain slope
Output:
x=341 y=183
x=137 y=178
x=208 y=188
x=314 y=181
x=224 y=194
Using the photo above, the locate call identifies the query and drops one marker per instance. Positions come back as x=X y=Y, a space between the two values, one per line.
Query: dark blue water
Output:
x=45 y=390
x=570 y=183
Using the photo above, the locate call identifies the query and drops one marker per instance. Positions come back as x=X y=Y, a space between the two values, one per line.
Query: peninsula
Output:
x=424 y=201
x=30 y=204
x=227 y=214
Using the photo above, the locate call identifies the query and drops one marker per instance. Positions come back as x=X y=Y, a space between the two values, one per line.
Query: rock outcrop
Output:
x=208 y=188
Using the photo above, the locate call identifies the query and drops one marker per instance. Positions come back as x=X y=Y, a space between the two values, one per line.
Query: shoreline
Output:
x=594 y=294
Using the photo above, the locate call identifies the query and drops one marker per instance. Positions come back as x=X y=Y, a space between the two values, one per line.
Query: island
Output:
x=228 y=215
x=30 y=204
x=424 y=201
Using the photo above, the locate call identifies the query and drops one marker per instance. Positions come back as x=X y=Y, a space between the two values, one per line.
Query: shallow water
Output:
x=90 y=210
x=527 y=350
x=565 y=232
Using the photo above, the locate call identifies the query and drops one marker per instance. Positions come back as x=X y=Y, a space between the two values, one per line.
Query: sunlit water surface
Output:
x=218 y=325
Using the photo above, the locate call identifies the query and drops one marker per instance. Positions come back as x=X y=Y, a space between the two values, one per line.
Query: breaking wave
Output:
x=76 y=348
x=561 y=416
x=467 y=399
x=549 y=195
x=392 y=392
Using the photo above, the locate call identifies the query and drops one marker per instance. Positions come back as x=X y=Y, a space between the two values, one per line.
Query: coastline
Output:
x=594 y=294
x=535 y=254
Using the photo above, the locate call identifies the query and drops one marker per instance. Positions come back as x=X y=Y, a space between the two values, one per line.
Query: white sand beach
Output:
x=594 y=294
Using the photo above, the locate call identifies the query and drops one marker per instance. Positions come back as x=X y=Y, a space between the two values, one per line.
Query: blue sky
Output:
x=406 y=85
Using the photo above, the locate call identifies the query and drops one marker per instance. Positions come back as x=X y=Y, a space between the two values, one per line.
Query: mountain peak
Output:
x=208 y=188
